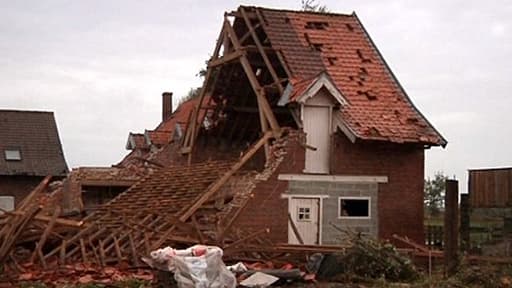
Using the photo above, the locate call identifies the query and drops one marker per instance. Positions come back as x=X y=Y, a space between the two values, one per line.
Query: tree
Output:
x=311 y=5
x=433 y=198
x=192 y=93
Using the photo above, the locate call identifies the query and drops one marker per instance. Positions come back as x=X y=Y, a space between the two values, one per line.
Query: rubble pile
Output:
x=369 y=258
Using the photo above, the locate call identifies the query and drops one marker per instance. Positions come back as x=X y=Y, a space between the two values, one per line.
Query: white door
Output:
x=304 y=213
x=317 y=128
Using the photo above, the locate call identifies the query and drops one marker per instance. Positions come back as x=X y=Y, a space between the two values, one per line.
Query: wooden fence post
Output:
x=451 y=230
x=464 y=222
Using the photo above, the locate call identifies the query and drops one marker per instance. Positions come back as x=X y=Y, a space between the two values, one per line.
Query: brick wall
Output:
x=18 y=186
x=400 y=201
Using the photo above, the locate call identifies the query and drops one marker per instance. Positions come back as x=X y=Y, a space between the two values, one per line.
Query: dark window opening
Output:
x=354 y=207
x=332 y=60
x=349 y=27
x=317 y=46
x=316 y=25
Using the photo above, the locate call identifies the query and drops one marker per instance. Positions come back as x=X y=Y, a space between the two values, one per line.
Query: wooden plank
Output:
x=147 y=245
x=39 y=247
x=278 y=53
x=222 y=234
x=212 y=190
x=17 y=228
x=197 y=230
x=202 y=94
x=47 y=219
x=225 y=59
x=62 y=253
x=295 y=229
x=83 y=250
x=39 y=188
x=451 y=228
x=198 y=202
x=102 y=253
x=246 y=239
x=133 y=250
x=258 y=91
x=76 y=237
x=262 y=51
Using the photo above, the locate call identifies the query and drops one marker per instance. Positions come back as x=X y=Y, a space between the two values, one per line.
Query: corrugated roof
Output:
x=35 y=135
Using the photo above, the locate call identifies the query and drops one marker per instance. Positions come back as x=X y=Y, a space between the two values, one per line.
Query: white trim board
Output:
x=333 y=178
x=303 y=196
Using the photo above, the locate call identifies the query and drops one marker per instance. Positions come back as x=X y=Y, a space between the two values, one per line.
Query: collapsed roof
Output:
x=266 y=60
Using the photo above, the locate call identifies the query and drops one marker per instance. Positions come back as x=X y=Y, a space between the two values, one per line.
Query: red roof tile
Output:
x=181 y=115
x=378 y=109
x=169 y=189
x=159 y=138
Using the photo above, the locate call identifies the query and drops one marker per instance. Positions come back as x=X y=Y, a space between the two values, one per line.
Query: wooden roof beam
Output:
x=261 y=50
x=262 y=101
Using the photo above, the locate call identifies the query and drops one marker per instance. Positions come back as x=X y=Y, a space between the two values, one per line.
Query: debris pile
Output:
x=368 y=258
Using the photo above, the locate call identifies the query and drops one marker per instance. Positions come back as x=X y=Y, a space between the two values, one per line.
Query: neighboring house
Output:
x=86 y=188
x=160 y=147
x=30 y=150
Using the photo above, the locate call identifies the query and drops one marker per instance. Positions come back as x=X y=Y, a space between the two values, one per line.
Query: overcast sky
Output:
x=101 y=67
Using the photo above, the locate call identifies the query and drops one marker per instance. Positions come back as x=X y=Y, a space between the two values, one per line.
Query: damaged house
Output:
x=300 y=130
x=355 y=151
x=353 y=154
x=30 y=150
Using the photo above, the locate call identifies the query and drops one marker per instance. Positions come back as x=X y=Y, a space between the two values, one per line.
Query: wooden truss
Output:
x=239 y=48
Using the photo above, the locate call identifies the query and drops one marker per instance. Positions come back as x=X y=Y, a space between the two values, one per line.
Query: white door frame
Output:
x=320 y=209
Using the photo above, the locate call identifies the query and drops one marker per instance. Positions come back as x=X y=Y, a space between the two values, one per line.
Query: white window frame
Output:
x=355 y=198
x=10 y=154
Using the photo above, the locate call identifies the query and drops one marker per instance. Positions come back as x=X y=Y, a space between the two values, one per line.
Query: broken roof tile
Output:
x=345 y=39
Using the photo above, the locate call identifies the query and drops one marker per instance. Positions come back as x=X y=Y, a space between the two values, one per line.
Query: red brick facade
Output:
x=400 y=201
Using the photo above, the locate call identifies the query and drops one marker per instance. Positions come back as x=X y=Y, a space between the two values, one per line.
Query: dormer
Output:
x=317 y=98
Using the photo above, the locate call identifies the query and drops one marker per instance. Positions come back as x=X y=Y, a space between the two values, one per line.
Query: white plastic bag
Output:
x=196 y=267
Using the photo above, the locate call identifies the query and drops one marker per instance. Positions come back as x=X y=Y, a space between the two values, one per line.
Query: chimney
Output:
x=166 y=105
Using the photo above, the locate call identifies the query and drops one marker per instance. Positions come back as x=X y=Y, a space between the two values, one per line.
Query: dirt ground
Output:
x=481 y=275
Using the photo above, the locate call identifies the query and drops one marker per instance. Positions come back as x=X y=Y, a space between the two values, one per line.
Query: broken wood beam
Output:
x=260 y=48
x=218 y=184
x=225 y=59
x=262 y=101
x=278 y=52
x=222 y=234
x=48 y=219
x=39 y=247
x=30 y=198
x=14 y=231
x=247 y=238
